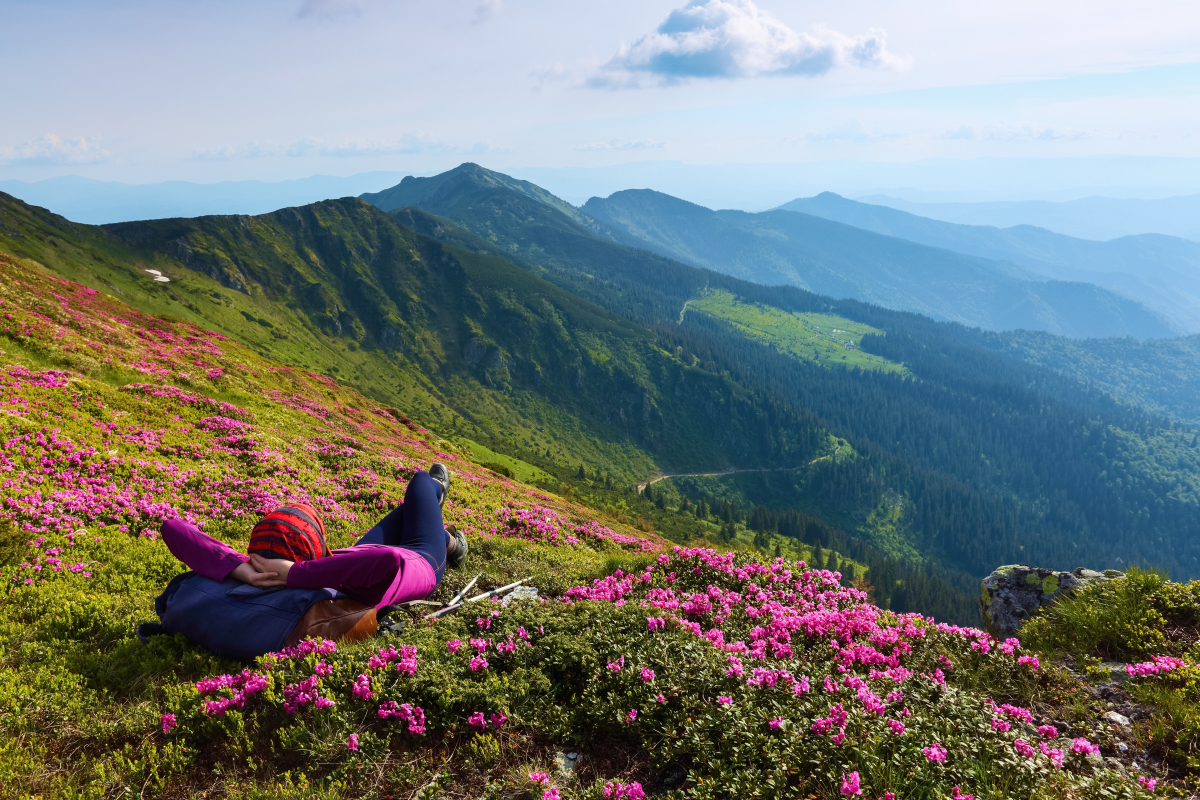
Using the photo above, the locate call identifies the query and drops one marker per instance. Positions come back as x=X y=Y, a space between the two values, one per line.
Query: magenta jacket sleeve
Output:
x=374 y=574
x=200 y=552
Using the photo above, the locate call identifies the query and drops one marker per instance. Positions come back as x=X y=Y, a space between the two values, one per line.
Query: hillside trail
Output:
x=641 y=487
x=683 y=311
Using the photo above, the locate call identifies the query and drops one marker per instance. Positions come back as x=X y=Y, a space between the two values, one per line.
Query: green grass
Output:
x=521 y=470
x=813 y=337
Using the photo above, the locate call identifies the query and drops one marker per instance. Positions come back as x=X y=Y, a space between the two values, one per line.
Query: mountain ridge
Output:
x=832 y=258
x=1161 y=272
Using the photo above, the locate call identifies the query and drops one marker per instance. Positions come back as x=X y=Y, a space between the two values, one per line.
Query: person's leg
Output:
x=386 y=531
x=421 y=528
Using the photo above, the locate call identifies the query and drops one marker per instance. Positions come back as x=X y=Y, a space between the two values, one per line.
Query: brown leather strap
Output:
x=337 y=619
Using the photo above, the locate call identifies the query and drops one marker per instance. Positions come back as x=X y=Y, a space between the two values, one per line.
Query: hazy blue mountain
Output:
x=1099 y=218
x=1161 y=272
x=101 y=202
x=839 y=260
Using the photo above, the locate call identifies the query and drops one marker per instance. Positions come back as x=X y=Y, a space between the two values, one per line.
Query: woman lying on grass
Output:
x=291 y=585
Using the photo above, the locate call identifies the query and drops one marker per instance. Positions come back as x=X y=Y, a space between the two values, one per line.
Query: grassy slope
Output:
x=814 y=337
x=96 y=453
x=469 y=343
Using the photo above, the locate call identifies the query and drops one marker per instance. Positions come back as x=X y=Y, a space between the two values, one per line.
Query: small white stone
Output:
x=1119 y=719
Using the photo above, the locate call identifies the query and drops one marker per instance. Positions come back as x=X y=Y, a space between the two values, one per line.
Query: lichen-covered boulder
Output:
x=1014 y=593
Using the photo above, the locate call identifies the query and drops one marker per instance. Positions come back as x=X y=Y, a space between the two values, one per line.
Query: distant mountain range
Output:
x=1099 y=218
x=840 y=260
x=1162 y=272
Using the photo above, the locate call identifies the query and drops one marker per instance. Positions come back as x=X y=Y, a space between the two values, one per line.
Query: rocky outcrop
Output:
x=1014 y=593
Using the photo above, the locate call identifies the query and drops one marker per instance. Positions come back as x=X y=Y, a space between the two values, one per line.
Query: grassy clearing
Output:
x=821 y=338
x=516 y=468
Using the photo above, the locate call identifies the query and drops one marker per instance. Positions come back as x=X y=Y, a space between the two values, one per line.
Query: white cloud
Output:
x=546 y=74
x=326 y=9
x=248 y=150
x=485 y=11
x=1029 y=132
x=51 y=150
x=735 y=39
x=407 y=144
x=961 y=132
x=624 y=144
x=853 y=132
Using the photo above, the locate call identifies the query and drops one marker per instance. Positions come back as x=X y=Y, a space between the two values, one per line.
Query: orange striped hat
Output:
x=293 y=532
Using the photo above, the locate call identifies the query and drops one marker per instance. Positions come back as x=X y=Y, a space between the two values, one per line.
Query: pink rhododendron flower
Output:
x=1084 y=747
x=168 y=722
x=631 y=716
x=957 y=793
x=615 y=666
x=551 y=794
x=935 y=752
x=660 y=698
x=647 y=675
x=850 y=784
x=897 y=727
x=453 y=645
x=477 y=720
x=775 y=723
x=497 y=719
x=1029 y=661
x=724 y=699
x=1024 y=748
x=478 y=663
x=1048 y=731
x=352 y=742
x=539 y=777
x=1148 y=783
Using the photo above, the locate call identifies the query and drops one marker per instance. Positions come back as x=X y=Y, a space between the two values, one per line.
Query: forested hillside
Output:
x=839 y=260
x=998 y=461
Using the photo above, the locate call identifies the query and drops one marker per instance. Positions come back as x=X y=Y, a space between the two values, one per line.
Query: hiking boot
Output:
x=459 y=556
x=442 y=475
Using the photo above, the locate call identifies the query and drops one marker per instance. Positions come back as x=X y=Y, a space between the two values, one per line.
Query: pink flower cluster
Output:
x=241 y=686
x=495 y=720
x=623 y=791
x=406 y=712
x=1157 y=666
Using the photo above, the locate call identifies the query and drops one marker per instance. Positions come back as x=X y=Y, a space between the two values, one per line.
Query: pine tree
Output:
x=818 y=556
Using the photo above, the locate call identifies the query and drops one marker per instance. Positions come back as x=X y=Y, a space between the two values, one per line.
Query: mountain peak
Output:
x=466 y=179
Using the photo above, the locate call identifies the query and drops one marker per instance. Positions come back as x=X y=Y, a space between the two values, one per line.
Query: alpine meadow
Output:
x=686 y=400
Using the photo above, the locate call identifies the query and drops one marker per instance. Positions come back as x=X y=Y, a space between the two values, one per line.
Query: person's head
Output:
x=294 y=532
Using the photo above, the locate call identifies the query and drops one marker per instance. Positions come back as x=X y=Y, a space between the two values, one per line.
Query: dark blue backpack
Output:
x=232 y=618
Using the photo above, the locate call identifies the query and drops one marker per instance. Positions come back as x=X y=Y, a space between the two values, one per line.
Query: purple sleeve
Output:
x=199 y=551
x=377 y=575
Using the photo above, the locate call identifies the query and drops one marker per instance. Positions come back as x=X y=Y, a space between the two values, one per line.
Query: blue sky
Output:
x=277 y=89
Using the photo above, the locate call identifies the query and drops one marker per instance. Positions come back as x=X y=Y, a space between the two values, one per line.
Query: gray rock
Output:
x=526 y=593
x=1116 y=671
x=1014 y=593
x=1116 y=719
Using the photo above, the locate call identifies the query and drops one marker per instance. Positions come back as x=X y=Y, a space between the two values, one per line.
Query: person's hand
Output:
x=276 y=568
x=248 y=574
